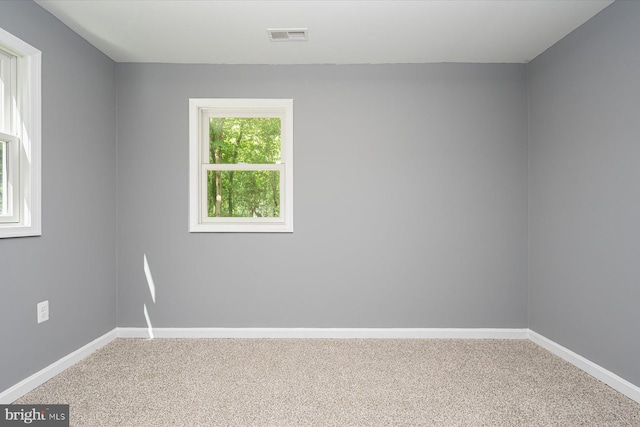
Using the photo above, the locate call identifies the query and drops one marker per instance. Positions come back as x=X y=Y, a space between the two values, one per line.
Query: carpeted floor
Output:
x=331 y=382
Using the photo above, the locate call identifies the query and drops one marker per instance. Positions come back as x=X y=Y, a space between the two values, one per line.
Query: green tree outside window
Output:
x=244 y=193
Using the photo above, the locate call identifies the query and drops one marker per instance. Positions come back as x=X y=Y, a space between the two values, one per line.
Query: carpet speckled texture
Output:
x=332 y=382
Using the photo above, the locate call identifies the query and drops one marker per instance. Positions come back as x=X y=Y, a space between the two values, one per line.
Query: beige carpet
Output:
x=330 y=382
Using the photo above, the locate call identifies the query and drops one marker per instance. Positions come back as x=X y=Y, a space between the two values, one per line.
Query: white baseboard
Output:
x=419 y=333
x=25 y=386
x=607 y=377
x=596 y=371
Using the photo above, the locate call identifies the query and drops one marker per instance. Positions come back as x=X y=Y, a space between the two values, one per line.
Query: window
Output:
x=19 y=138
x=241 y=165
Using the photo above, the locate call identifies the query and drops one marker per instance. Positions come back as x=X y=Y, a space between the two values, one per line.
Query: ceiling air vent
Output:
x=288 y=34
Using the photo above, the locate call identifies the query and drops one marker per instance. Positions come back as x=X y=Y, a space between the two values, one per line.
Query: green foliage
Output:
x=234 y=140
x=246 y=193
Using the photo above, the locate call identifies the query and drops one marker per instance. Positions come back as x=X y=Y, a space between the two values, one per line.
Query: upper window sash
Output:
x=8 y=92
x=248 y=112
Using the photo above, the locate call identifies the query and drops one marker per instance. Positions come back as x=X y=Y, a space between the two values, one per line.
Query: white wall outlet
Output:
x=43 y=311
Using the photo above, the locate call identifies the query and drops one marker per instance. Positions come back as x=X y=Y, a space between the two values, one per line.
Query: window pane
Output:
x=7 y=87
x=252 y=140
x=245 y=194
x=3 y=165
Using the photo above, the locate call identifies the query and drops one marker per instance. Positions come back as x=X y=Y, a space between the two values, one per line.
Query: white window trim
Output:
x=199 y=107
x=28 y=136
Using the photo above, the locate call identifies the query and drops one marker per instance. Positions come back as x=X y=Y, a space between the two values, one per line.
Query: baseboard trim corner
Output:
x=612 y=380
x=25 y=386
x=418 y=333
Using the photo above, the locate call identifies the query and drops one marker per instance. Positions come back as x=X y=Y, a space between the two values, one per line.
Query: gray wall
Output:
x=410 y=200
x=73 y=263
x=584 y=188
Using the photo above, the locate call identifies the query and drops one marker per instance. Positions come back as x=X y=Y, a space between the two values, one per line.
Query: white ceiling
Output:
x=340 y=31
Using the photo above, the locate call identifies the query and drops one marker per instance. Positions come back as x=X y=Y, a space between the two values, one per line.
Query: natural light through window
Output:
x=3 y=182
x=241 y=165
x=20 y=101
x=152 y=292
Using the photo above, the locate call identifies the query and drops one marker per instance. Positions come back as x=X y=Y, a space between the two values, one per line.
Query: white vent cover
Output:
x=288 y=34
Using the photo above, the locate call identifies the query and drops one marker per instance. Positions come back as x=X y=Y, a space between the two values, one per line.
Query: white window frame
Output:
x=200 y=110
x=20 y=131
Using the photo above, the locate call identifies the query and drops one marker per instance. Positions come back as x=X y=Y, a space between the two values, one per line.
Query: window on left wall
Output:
x=20 y=105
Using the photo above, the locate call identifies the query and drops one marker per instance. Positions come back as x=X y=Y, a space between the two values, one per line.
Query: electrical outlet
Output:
x=43 y=311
